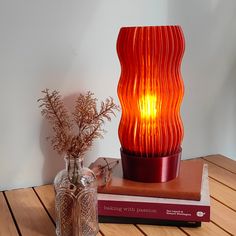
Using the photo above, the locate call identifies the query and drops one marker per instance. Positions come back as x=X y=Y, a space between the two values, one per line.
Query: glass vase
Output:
x=76 y=200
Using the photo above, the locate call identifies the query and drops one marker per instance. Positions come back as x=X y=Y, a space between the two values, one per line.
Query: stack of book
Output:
x=183 y=201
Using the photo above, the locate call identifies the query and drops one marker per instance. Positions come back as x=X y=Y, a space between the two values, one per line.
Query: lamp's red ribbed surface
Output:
x=150 y=90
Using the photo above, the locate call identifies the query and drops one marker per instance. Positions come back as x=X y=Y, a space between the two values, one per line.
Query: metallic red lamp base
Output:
x=150 y=169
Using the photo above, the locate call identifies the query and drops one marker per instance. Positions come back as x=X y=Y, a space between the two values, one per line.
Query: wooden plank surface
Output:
x=223 y=216
x=222 y=193
x=222 y=175
x=153 y=230
x=28 y=209
x=7 y=226
x=222 y=161
x=30 y=215
x=207 y=229
x=222 y=189
x=119 y=229
x=47 y=195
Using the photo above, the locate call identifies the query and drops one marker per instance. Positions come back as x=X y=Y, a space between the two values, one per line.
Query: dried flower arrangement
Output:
x=74 y=133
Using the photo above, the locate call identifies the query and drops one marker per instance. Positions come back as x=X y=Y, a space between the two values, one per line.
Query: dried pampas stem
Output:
x=74 y=133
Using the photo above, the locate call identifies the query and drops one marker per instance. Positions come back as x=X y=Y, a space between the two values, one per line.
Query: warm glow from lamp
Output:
x=150 y=91
x=147 y=106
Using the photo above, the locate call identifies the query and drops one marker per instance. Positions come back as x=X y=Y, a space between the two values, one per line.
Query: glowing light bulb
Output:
x=148 y=106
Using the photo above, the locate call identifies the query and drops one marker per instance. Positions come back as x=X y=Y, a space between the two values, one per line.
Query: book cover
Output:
x=126 y=206
x=186 y=186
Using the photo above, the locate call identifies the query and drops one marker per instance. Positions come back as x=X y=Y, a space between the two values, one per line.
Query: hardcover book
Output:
x=186 y=186
x=126 y=208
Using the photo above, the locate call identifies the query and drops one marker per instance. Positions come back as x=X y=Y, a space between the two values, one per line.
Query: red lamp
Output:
x=150 y=91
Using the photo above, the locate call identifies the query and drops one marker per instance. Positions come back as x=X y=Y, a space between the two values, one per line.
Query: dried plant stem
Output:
x=74 y=133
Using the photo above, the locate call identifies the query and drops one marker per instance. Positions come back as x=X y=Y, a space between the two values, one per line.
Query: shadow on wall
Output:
x=222 y=113
x=59 y=60
x=223 y=125
x=209 y=74
x=53 y=162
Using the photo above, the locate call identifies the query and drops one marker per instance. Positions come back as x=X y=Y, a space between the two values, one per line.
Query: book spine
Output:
x=163 y=211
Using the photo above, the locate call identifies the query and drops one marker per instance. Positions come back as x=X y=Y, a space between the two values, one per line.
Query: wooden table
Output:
x=30 y=211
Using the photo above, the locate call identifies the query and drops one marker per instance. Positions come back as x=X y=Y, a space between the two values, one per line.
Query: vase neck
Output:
x=73 y=167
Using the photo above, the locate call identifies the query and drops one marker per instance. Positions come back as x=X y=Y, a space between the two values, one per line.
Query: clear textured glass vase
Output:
x=76 y=200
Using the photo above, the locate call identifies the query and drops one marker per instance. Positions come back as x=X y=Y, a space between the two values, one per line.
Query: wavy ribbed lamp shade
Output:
x=150 y=90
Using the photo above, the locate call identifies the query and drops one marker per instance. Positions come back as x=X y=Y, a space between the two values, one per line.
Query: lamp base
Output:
x=150 y=169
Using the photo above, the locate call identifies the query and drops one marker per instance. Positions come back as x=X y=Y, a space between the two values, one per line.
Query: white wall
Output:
x=70 y=46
